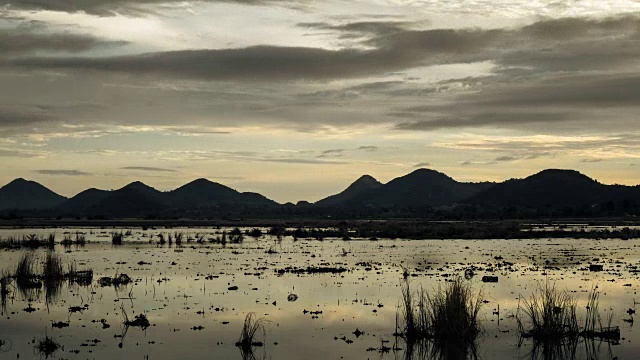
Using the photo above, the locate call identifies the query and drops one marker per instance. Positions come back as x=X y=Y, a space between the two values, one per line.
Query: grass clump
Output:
x=52 y=269
x=550 y=315
x=450 y=312
x=252 y=329
x=25 y=272
x=117 y=238
x=443 y=323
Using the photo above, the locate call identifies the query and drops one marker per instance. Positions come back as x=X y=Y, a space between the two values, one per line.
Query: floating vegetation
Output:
x=139 y=320
x=117 y=281
x=312 y=270
x=47 y=346
x=80 y=277
x=79 y=240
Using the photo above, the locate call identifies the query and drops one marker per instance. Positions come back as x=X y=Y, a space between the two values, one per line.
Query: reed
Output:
x=253 y=329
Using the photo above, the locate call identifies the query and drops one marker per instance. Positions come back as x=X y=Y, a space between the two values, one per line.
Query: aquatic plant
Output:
x=442 y=324
x=139 y=320
x=47 y=346
x=451 y=312
x=52 y=276
x=80 y=277
x=4 y=290
x=178 y=237
x=25 y=270
x=551 y=317
x=116 y=238
x=52 y=269
x=252 y=329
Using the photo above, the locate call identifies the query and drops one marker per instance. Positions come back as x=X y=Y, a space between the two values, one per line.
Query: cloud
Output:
x=551 y=76
x=111 y=7
x=24 y=40
x=63 y=172
x=506 y=158
x=483 y=119
x=422 y=164
x=333 y=151
x=368 y=148
x=22 y=153
x=147 y=168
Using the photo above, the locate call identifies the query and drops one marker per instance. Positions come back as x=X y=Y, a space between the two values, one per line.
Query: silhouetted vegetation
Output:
x=549 y=315
x=447 y=318
x=47 y=346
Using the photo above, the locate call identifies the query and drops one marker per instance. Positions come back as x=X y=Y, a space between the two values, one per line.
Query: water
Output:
x=183 y=288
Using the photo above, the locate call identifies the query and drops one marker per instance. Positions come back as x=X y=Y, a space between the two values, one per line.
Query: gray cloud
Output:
x=147 y=168
x=506 y=158
x=526 y=90
x=21 y=153
x=13 y=115
x=483 y=119
x=63 y=172
x=368 y=148
x=358 y=29
x=532 y=46
x=422 y=164
x=23 y=40
x=112 y=7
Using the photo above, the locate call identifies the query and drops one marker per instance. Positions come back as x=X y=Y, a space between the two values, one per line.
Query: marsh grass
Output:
x=253 y=330
x=52 y=276
x=550 y=317
x=117 y=238
x=178 y=236
x=443 y=323
x=25 y=274
x=52 y=269
x=32 y=241
x=80 y=277
x=5 y=280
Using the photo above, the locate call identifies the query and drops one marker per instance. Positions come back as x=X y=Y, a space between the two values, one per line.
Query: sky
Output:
x=295 y=99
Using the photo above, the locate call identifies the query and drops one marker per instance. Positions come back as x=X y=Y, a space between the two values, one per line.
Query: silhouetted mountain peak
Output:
x=555 y=174
x=364 y=184
x=138 y=185
x=426 y=173
x=26 y=194
x=367 y=181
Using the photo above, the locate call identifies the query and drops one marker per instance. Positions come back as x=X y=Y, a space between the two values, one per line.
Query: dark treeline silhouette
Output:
x=424 y=194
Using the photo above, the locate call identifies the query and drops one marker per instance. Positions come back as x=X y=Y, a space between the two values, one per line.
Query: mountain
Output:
x=84 y=201
x=421 y=188
x=21 y=194
x=135 y=199
x=204 y=193
x=363 y=185
x=554 y=188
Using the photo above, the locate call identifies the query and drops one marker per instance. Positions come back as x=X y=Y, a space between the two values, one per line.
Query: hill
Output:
x=363 y=185
x=21 y=194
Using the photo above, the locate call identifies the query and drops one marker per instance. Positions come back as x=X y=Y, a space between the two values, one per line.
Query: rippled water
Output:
x=184 y=292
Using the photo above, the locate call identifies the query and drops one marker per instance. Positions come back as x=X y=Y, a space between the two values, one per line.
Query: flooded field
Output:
x=186 y=292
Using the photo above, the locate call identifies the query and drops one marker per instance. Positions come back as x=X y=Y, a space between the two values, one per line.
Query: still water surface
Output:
x=184 y=291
